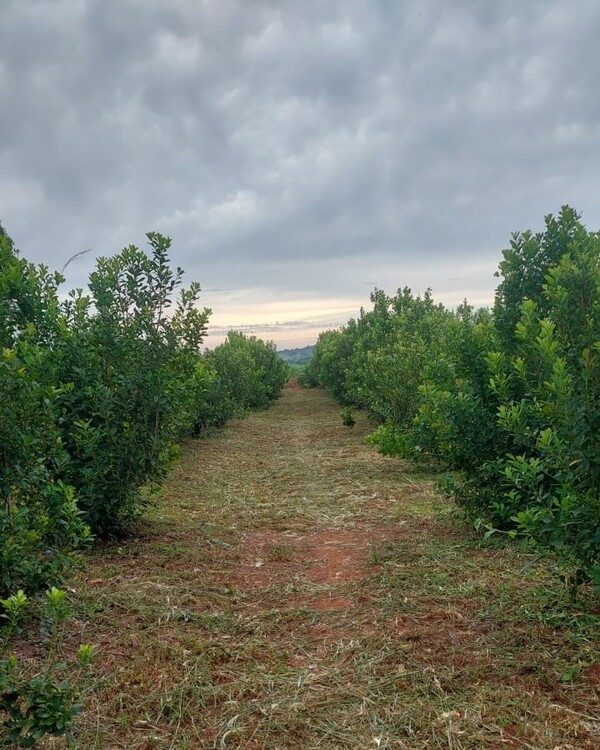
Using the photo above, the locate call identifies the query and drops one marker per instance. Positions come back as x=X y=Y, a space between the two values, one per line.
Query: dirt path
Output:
x=295 y=590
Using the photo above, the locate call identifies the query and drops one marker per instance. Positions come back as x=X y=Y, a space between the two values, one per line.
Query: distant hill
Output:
x=297 y=356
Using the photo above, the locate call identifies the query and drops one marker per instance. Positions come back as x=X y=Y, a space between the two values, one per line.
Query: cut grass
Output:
x=295 y=590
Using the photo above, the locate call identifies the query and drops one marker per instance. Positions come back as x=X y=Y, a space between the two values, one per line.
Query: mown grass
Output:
x=295 y=590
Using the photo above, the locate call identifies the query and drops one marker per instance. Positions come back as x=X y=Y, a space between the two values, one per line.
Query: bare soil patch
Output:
x=330 y=556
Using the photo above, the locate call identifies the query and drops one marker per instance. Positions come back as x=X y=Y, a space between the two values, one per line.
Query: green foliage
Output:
x=347 y=416
x=249 y=374
x=541 y=475
x=549 y=393
x=95 y=392
x=509 y=401
x=396 y=342
x=124 y=363
x=205 y=407
x=378 y=361
x=525 y=266
x=329 y=363
x=33 y=706
x=455 y=421
x=296 y=370
x=14 y=607
x=40 y=523
x=28 y=300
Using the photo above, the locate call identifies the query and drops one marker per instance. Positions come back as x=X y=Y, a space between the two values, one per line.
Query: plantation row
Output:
x=95 y=392
x=507 y=400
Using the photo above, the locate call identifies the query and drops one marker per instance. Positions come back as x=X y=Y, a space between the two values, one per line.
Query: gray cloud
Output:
x=298 y=147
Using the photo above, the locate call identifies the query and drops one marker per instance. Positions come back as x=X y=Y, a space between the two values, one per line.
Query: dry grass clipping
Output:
x=295 y=590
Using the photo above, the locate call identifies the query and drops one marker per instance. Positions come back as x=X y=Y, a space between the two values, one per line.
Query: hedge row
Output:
x=96 y=390
x=507 y=399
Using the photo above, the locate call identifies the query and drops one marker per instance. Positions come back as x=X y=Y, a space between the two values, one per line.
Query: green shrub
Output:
x=508 y=400
x=125 y=364
x=549 y=392
x=43 y=703
x=328 y=365
x=40 y=524
x=347 y=416
x=249 y=373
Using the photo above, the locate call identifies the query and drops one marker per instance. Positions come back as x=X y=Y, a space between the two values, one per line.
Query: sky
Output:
x=299 y=153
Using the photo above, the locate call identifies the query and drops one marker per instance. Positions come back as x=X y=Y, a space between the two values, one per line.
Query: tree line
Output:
x=96 y=391
x=506 y=400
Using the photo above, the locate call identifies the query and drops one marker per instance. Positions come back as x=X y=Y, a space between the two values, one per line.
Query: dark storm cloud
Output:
x=297 y=146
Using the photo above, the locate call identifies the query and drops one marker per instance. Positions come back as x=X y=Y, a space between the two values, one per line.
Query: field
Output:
x=293 y=589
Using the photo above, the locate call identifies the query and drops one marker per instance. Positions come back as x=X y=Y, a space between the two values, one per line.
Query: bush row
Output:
x=95 y=391
x=508 y=399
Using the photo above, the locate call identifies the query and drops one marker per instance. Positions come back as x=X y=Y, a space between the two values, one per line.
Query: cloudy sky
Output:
x=298 y=152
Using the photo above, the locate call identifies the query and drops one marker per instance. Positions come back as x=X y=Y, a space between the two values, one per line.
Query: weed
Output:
x=35 y=705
